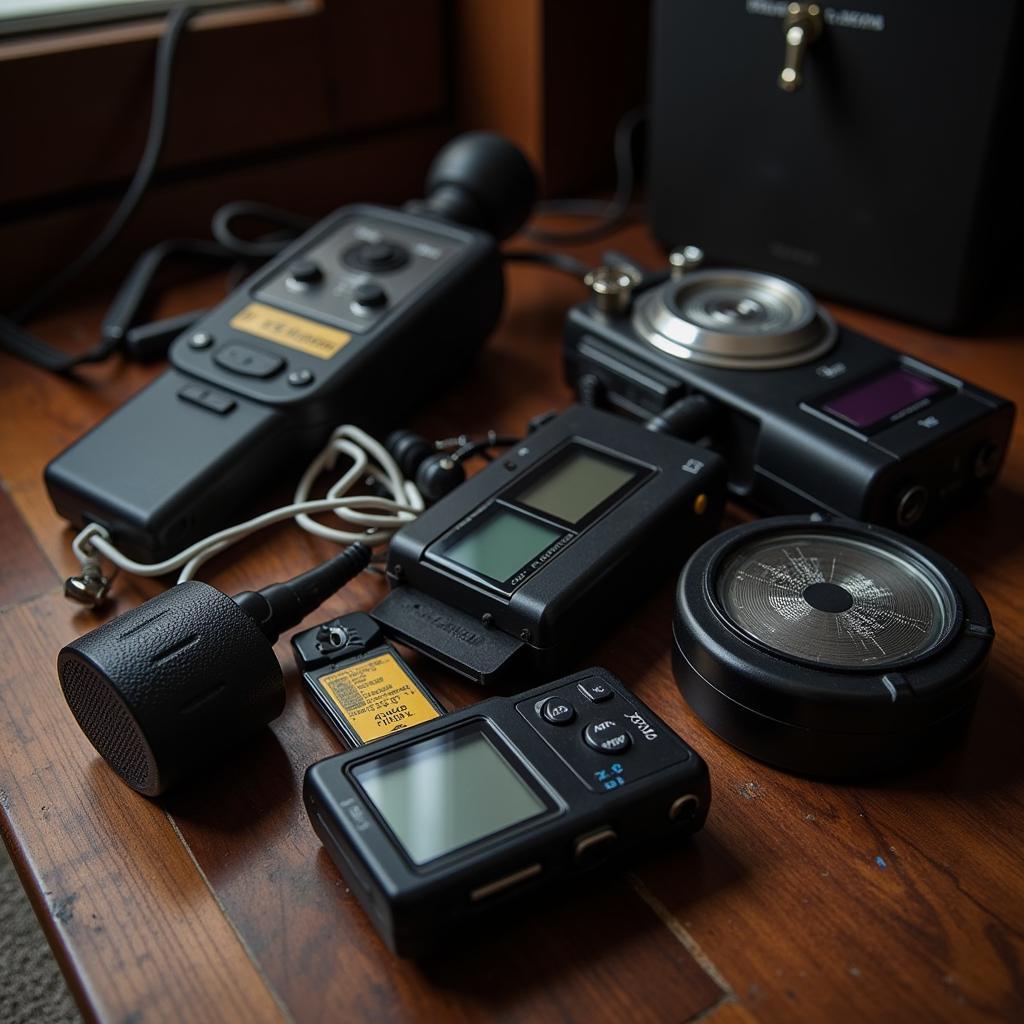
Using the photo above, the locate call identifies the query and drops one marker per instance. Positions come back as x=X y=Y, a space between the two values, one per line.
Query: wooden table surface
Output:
x=898 y=901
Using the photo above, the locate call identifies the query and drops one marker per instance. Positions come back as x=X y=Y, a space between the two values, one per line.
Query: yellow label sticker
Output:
x=377 y=697
x=293 y=331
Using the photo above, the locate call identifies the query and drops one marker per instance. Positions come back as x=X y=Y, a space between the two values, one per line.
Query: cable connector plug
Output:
x=90 y=587
x=283 y=605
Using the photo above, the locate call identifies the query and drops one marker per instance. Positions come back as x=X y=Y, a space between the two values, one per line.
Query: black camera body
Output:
x=808 y=415
x=370 y=311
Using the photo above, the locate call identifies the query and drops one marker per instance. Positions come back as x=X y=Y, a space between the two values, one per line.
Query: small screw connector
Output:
x=612 y=288
x=684 y=259
x=90 y=587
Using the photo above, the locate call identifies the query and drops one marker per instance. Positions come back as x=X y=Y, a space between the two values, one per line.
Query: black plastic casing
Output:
x=412 y=905
x=162 y=472
x=559 y=610
x=784 y=454
x=816 y=720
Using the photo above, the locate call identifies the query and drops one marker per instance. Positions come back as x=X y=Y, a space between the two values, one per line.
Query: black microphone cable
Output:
x=13 y=337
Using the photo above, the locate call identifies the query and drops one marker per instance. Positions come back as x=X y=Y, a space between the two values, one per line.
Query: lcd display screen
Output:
x=868 y=404
x=500 y=544
x=446 y=792
x=574 y=487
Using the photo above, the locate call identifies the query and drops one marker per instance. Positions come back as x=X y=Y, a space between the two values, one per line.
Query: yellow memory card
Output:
x=370 y=698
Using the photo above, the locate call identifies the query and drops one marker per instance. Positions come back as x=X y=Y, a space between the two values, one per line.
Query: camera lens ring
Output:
x=734 y=319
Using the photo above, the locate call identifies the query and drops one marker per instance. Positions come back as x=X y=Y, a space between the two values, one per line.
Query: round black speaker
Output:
x=162 y=689
x=828 y=647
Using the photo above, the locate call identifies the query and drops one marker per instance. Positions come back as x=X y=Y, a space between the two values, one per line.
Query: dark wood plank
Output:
x=130 y=916
x=24 y=570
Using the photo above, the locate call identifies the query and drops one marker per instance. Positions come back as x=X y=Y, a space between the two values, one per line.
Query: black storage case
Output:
x=889 y=179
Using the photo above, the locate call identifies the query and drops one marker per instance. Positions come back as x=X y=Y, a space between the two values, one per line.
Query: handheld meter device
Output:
x=517 y=569
x=368 y=311
x=434 y=825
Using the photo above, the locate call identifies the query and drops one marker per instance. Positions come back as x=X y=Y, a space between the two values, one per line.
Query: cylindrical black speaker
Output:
x=166 y=686
x=828 y=647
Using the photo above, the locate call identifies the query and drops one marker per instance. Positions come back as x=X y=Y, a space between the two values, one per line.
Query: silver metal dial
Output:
x=738 y=319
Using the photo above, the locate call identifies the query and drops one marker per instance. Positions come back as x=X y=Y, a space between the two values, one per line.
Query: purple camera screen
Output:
x=880 y=398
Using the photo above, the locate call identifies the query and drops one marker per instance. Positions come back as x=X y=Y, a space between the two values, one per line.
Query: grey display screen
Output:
x=502 y=544
x=573 y=488
x=446 y=792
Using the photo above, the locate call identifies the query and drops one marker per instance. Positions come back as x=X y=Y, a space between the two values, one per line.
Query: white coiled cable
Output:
x=369 y=518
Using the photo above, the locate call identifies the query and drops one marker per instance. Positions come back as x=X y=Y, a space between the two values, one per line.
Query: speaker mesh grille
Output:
x=104 y=719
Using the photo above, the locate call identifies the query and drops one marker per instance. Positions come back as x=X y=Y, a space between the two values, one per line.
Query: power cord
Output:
x=13 y=337
x=612 y=214
x=373 y=518
x=552 y=260
x=290 y=226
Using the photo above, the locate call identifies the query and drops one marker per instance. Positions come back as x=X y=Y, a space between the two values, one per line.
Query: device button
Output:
x=558 y=711
x=305 y=272
x=483 y=892
x=911 y=505
x=200 y=340
x=595 y=691
x=249 y=362
x=369 y=294
x=987 y=459
x=300 y=378
x=594 y=847
x=376 y=256
x=684 y=808
x=214 y=401
x=607 y=736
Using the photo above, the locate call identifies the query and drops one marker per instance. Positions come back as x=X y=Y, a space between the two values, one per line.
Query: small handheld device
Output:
x=517 y=569
x=809 y=415
x=828 y=647
x=368 y=311
x=359 y=683
x=441 y=823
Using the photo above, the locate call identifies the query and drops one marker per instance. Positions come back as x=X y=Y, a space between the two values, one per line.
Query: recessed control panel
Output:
x=359 y=271
x=601 y=733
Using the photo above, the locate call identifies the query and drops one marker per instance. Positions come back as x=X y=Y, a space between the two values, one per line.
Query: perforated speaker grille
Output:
x=105 y=720
x=835 y=600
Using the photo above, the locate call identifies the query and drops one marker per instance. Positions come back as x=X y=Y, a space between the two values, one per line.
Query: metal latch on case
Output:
x=802 y=25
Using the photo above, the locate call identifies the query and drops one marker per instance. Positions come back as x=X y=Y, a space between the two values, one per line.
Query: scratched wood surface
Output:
x=899 y=901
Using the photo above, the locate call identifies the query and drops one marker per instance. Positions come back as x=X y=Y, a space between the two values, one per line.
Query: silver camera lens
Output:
x=740 y=319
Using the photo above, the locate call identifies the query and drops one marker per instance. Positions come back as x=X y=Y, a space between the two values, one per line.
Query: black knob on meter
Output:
x=607 y=736
x=376 y=257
